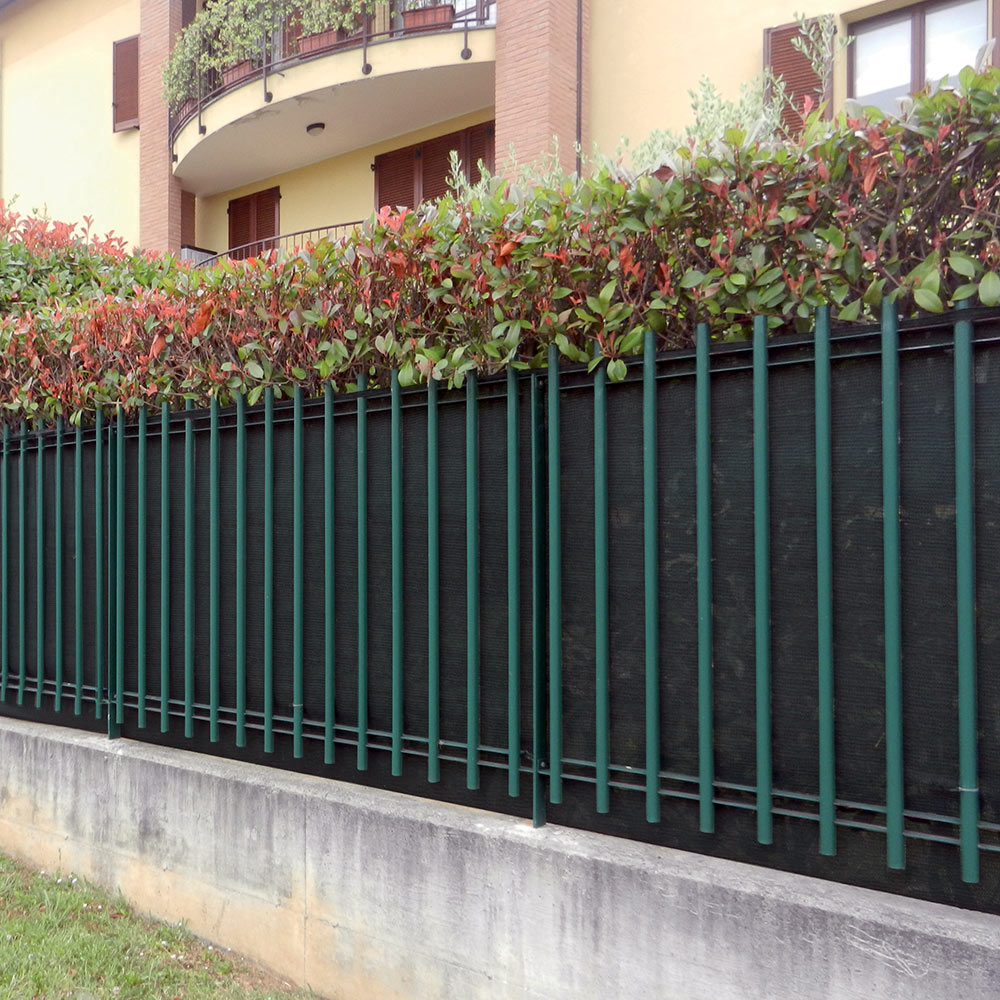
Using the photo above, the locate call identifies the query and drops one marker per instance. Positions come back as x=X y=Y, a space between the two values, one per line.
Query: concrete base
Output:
x=370 y=895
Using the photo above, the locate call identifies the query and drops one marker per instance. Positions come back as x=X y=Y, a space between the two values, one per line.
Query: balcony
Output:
x=386 y=77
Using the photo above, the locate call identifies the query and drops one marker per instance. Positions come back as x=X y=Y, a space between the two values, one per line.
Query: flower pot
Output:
x=320 y=41
x=234 y=74
x=186 y=110
x=440 y=17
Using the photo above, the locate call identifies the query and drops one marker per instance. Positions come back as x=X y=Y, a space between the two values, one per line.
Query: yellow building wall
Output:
x=58 y=153
x=645 y=55
x=338 y=190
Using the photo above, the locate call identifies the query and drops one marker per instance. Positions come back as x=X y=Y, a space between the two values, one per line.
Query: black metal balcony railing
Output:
x=289 y=47
x=286 y=244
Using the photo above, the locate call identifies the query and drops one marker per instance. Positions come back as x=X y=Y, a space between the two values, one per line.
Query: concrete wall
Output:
x=370 y=895
x=338 y=190
x=58 y=152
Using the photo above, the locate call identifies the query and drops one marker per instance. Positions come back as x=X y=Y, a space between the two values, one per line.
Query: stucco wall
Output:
x=58 y=152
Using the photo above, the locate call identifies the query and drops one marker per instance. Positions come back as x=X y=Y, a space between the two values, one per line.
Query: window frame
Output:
x=917 y=15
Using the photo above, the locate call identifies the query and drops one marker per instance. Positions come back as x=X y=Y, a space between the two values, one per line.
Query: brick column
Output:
x=159 y=193
x=536 y=80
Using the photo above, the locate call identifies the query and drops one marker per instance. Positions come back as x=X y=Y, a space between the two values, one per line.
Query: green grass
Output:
x=62 y=938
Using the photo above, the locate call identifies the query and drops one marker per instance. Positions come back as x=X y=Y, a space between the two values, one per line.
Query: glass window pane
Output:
x=882 y=63
x=955 y=33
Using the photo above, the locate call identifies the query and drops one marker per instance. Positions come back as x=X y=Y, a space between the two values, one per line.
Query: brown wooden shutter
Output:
x=395 y=180
x=126 y=84
x=435 y=163
x=253 y=222
x=795 y=69
x=266 y=213
x=482 y=146
x=187 y=219
x=241 y=212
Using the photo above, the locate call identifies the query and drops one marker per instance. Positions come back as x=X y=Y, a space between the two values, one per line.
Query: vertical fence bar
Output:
x=22 y=555
x=651 y=585
x=329 y=582
x=703 y=504
x=433 y=589
x=119 y=585
x=602 y=649
x=4 y=637
x=513 y=591
x=140 y=636
x=268 y=570
x=98 y=563
x=824 y=588
x=77 y=565
x=241 y=570
x=762 y=579
x=396 y=463
x=472 y=576
x=39 y=571
x=362 y=574
x=965 y=552
x=539 y=710
x=893 y=627
x=555 y=581
x=165 y=568
x=113 y=576
x=189 y=557
x=57 y=516
x=213 y=571
x=298 y=533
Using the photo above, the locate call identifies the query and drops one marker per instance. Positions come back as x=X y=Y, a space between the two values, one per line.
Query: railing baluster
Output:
x=362 y=574
x=472 y=577
x=98 y=563
x=165 y=568
x=513 y=591
x=77 y=565
x=213 y=571
x=189 y=557
x=298 y=465
x=433 y=589
x=40 y=570
x=241 y=571
x=762 y=579
x=57 y=515
x=893 y=651
x=602 y=649
x=396 y=463
x=539 y=710
x=140 y=635
x=965 y=551
x=119 y=583
x=329 y=581
x=824 y=589
x=268 y=570
x=703 y=503
x=555 y=582
x=651 y=582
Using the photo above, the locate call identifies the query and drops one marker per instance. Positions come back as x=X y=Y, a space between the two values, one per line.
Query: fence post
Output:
x=555 y=580
x=539 y=531
x=472 y=577
x=513 y=589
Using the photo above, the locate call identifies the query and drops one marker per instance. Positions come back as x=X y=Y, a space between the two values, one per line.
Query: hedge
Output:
x=849 y=212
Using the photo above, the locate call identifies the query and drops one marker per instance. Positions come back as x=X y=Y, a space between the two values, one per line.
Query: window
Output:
x=405 y=177
x=902 y=52
x=125 y=86
x=253 y=223
x=796 y=71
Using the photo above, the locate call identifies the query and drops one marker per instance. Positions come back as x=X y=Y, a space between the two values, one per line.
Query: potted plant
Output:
x=327 y=24
x=427 y=15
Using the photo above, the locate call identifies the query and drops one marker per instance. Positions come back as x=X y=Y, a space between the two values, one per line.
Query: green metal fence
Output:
x=651 y=607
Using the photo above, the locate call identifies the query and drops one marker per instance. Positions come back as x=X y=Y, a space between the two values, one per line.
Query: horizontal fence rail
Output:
x=746 y=597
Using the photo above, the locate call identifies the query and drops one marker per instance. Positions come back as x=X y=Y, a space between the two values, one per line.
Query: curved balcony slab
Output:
x=414 y=82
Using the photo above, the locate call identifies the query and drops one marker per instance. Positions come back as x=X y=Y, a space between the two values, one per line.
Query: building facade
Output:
x=323 y=127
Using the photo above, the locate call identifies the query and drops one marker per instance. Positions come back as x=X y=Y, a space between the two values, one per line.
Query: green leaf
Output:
x=617 y=370
x=850 y=312
x=254 y=370
x=989 y=289
x=928 y=300
x=692 y=278
x=962 y=264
